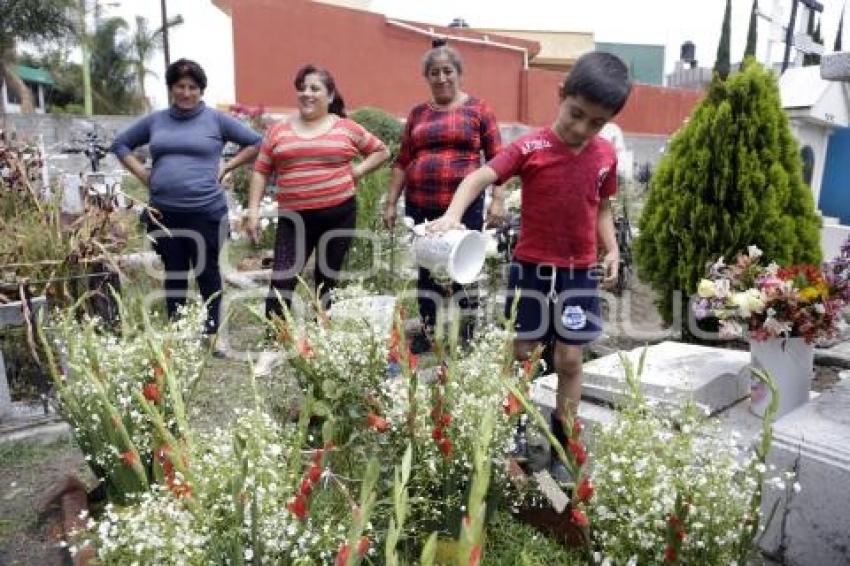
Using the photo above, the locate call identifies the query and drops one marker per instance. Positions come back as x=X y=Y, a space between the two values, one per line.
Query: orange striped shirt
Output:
x=314 y=172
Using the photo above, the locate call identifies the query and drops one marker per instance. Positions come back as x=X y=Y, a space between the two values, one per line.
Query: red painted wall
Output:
x=374 y=64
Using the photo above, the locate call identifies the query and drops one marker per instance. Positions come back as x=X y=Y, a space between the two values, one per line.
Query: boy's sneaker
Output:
x=420 y=344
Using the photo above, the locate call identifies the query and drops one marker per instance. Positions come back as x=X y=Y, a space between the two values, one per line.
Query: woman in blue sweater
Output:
x=185 y=144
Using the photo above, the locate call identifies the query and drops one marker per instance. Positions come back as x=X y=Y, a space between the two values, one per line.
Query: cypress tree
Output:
x=722 y=65
x=731 y=177
x=837 y=46
x=752 y=37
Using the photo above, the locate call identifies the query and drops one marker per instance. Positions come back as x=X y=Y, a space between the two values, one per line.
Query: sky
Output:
x=206 y=34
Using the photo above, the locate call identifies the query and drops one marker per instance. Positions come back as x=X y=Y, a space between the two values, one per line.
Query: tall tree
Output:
x=752 y=32
x=34 y=21
x=144 y=43
x=731 y=177
x=722 y=65
x=837 y=45
x=112 y=75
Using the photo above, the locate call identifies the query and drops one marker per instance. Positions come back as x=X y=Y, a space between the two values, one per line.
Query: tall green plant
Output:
x=731 y=177
x=752 y=32
x=722 y=64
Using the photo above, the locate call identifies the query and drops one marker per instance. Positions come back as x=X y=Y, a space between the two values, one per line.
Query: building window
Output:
x=807 y=154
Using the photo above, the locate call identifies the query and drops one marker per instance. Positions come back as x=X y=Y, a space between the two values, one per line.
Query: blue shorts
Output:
x=567 y=308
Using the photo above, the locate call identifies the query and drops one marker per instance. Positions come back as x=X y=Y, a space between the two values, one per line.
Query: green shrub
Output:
x=731 y=177
x=383 y=125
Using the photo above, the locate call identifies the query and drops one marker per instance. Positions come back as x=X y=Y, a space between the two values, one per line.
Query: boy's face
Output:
x=579 y=120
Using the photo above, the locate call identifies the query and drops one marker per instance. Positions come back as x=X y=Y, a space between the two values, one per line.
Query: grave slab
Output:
x=817 y=524
x=675 y=372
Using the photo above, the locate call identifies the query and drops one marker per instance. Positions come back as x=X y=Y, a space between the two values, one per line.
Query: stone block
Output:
x=814 y=439
x=11 y=314
x=675 y=372
x=835 y=66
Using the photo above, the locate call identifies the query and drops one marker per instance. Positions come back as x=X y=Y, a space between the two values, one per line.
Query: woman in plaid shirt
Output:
x=443 y=141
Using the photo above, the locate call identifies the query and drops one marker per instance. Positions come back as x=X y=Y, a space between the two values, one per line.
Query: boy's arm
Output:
x=607 y=235
x=466 y=193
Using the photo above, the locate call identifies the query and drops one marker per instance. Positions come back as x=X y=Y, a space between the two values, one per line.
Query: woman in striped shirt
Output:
x=311 y=157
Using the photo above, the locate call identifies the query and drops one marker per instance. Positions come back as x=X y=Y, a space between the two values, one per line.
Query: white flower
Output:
x=707 y=289
x=754 y=252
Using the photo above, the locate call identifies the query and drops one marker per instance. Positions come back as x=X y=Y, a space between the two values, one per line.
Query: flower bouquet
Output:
x=756 y=301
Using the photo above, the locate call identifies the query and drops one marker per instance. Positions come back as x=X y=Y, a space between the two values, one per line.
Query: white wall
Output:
x=816 y=136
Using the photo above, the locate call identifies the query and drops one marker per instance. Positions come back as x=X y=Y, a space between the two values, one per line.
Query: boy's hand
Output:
x=496 y=213
x=611 y=264
x=444 y=224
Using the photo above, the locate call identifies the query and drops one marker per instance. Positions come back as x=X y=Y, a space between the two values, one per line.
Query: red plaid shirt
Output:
x=441 y=147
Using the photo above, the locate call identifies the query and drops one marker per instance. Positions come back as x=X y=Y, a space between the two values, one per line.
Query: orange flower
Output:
x=363 y=546
x=475 y=555
x=378 y=423
x=578 y=451
x=129 y=458
x=446 y=447
x=306 y=487
x=305 y=350
x=342 y=555
x=578 y=518
x=314 y=473
x=158 y=371
x=512 y=405
x=298 y=507
x=151 y=392
x=585 y=490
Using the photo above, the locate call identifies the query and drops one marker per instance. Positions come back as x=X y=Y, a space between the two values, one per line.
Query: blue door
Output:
x=835 y=188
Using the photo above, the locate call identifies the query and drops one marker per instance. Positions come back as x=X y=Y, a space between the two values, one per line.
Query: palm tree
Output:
x=111 y=72
x=143 y=44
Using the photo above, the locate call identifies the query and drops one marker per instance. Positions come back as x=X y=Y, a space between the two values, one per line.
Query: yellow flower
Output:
x=706 y=289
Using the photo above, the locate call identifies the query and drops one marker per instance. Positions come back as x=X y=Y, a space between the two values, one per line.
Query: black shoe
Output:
x=420 y=344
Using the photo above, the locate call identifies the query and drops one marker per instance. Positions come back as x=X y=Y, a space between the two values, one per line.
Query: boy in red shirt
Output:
x=568 y=175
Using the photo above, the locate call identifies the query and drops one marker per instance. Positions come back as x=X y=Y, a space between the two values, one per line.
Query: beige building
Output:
x=558 y=49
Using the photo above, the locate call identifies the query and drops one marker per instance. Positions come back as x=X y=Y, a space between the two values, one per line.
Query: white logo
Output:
x=533 y=145
x=601 y=176
x=573 y=317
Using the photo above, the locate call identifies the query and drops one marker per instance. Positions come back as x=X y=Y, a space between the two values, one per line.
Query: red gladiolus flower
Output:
x=578 y=426
x=670 y=554
x=151 y=392
x=475 y=555
x=445 y=419
x=314 y=473
x=585 y=490
x=512 y=405
x=129 y=458
x=412 y=361
x=363 y=546
x=578 y=451
x=298 y=507
x=437 y=433
x=446 y=447
x=305 y=350
x=578 y=518
x=342 y=555
x=378 y=423
x=442 y=374
x=317 y=456
x=306 y=487
x=158 y=371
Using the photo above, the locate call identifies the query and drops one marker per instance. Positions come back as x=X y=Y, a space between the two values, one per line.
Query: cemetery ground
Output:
x=29 y=467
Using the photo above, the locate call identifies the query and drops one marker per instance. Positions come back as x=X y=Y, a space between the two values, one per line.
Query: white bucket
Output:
x=459 y=254
x=790 y=362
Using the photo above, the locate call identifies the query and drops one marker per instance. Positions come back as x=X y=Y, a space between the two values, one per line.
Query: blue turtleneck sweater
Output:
x=186 y=149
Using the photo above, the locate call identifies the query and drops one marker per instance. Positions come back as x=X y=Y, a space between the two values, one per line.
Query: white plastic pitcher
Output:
x=459 y=254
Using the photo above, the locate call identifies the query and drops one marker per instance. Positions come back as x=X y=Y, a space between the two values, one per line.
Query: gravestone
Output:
x=715 y=378
x=815 y=439
x=11 y=314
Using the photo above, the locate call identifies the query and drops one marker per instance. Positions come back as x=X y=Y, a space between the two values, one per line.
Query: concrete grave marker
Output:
x=675 y=372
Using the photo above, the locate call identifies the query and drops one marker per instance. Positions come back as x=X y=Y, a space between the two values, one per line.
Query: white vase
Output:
x=790 y=361
x=459 y=254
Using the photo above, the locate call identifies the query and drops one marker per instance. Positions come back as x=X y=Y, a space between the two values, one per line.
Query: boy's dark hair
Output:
x=337 y=104
x=601 y=78
x=183 y=68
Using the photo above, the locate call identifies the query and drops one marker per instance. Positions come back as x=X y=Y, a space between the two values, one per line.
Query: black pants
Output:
x=194 y=244
x=298 y=235
x=426 y=287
